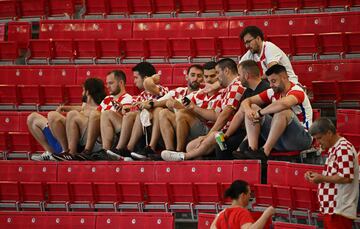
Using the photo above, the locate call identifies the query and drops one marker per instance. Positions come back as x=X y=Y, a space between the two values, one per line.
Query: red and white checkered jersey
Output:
x=230 y=97
x=340 y=198
x=303 y=109
x=106 y=104
x=178 y=94
x=145 y=96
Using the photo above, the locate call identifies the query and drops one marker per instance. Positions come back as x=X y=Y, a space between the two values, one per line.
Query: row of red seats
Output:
x=36 y=8
x=185 y=48
x=105 y=7
x=83 y=220
x=171 y=74
x=205 y=220
x=342 y=92
x=199 y=27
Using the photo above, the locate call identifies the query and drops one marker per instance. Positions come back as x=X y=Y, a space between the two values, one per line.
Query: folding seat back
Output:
x=353 y=139
x=8 y=9
x=63 y=49
x=9 y=121
x=106 y=192
x=86 y=48
x=189 y=6
x=58 y=195
x=261 y=5
x=30 y=95
x=109 y=48
x=134 y=48
x=156 y=192
x=166 y=72
x=135 y=171
x=73 y=94
x=97 y=7
x=20 y=142
x=305 y=72
x=179 y=73
x=8 y=95
x=131 y=194
x=82 y=194
x=120 y=7
x=40 y=49
x=348 y=121
x=157 y=48
x=296 y=173
x=3 y=142
x=233 y=5
x=56 y=75
x=32 y=8
x=97 y=71
x=214 y=6
x=182 y=193
x=205 y=220
x=61 y=7
x=349 y=90
x=52 y=94
x=181 y=48
x=208 y=193
x=142 y=6
x=282 y=5
x=352 y=41
x=33 y=195
x=68 y=220
x=19 y=32
x=331 y=43
x=10 y=194
x=205 y=47
x=277 y=172
x=28 y=171
x=304 y=44
x=325 y=91
x=248 y=170
x=263 y=195
x=8 y=50
x=230 y=46
x=164 y=6
x=212 y=28
x=284 y=42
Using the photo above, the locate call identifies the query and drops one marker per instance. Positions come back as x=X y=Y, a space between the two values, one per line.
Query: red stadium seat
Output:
x=189 y=6
x=304 y=44
x=64 y=50
x=119 y=7
x=58 y=196
x=106 y=195
x=205 y=47
x=263 y=195
x=9 y=121
x=349 y=91
x=230 y=47
x=33 y=8
x=8 y=51
x=61 y=7
x=82 y=195
x=86 y=49
x=30 y=95
x=325 y=91
x=40 y=49
x=109 y=49
x=131 y=195
x=32 y=195
x=158 y=48
x=283 y=225
x=261 y=5
x=352 y=42
x=73 y=94
x=9 y=95
x=348 y=121
x=296 y=173
x=157 y=196
x=214 y=6
x=205 y=220
x=276 y=172
x=284 y=42
x=332 y=43
x=8 y=9
x=141 y=6
x=97 y=7
x=248 y=170
x=3 y=143
x=234 y=5
x=52 y=94
x=10 y=195
x=181 y=48
x=166 y=72
x=20 y=32
x=164 y=6
x=134 y=49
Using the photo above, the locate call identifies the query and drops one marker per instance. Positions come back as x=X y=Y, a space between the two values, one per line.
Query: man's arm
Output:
x=222 y=118
x=206 y=114
x=280 y=105
x=319 y=178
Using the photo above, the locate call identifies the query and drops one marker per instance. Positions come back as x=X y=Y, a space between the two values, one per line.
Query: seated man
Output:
x=250 y=77
x=221 y=113
x=172 y=101
x=287 y=128
x=185 y=124
x=145 y=78
x=51 y=132
x=90 y=126
x=93 y=94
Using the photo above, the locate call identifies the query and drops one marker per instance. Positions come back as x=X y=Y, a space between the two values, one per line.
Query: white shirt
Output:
x=270 y=53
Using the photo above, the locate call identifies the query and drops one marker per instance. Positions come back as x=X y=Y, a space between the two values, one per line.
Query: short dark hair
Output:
x=236 y=189
x=95 y=88
x=119 y=75
x=209 y=65
x=228 y=63
x=275 y=69
x=253 y=31
x=250 y=66
x=322 y=126
x=197 y=66
x=145 y=69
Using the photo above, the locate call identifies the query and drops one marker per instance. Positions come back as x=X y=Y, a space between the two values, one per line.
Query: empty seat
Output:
x=61 y=8
x=276 y=172
x=8 y=51
x=284 y=42
x=86 y=49
x=52 y=94
x=9 y=121
x=8 y=95
x=248 y=170
x=231 y=47
x=304 y=44
x=19 y=32
x=134 y=48
x=205 y=47
x=97 y=7
x=32 y=8
x=3 y=143
x=109 y=49
x=64 y=50
x=181 y=48
x=158 y=48
x=73 y=94
x=119 y=7
x=10 y=195
x=164 y=6
x=349 y=91
x=205 y=220
x=32 y=196
x=30 y=95
x=325 y=91
x=352 y=42
x=331 y=43
x=348 y=121
x=8 y=9
x=40 y=49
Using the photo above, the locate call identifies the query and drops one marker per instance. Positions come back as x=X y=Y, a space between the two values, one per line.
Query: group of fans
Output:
x=256 y=106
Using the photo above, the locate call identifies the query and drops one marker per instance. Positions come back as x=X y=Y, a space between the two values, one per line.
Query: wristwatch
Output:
x=151 y=103
x=259 y=113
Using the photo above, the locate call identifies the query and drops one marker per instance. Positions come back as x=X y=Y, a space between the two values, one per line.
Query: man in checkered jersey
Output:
x=184 y=125
x=338 y=189
x=283 y=123
x=89 y=127
x=172 y=101
x=221 y=114
x=146 y=79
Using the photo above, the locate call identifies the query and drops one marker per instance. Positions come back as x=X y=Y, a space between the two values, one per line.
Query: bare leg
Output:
x=167 y=128
x=201 y=146
x=155 y=134
x=110 y=123
x=278 y=125
x=127 y=126
x=137 y=132
x=253 y=132
x=57 y=125
x=93 y=131
x=76 y=124
x=184 y=121
x=36 y=123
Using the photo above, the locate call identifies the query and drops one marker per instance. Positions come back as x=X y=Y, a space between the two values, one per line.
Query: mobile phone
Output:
x=186 y=101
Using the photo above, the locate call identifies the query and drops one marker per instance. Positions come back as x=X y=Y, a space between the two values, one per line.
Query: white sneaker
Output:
x=128 y=159
x=168 y=155
x=113 y=155
x=46 y=156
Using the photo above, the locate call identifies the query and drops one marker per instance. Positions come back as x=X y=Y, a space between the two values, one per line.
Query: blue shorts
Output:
x=53 y=142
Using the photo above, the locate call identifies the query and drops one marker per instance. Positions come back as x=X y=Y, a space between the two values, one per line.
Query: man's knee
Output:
x=164 y=114
x=94 y=115
x=182 y=115
x=285 y=115
x=54 y=116
x=32 y=117
x=72 y=114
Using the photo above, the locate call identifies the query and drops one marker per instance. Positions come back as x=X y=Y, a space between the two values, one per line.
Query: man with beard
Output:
x=265 y=53
x=221 y=113
x=184 y=124
x=84 y=130
x=283 y=123
x=173 y=102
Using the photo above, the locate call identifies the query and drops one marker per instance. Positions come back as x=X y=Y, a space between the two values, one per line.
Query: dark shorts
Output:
x=52 y=141
x=294 y=138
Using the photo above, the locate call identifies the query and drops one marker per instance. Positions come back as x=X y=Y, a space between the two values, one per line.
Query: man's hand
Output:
x=59 y=108
x=156 y=78
x=313 y=177
x=252 y=115
x=209 y=88
x=190 y=106
x=144 y=105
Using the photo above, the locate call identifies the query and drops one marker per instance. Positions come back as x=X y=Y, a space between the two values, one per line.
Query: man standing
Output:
x=338 y=189
x=265 y=53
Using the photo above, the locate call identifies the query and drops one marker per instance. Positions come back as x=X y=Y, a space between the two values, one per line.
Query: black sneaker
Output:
x=85 y=155
x=256 y=154
x=240 y=155
x=143 y=154
x=65 y=156
x=100 y=155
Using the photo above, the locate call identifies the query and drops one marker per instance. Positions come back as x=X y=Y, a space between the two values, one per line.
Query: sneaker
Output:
x=116 y=154
x=143 y=154
x=256 y=154
x=85 y=155
x=100 y=155
x=46 y=156
x=65 y=156
x=169 y=155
